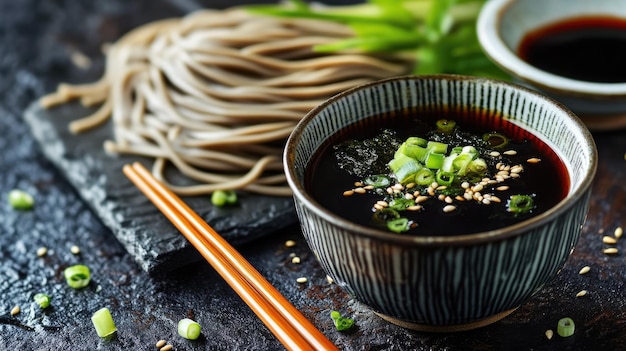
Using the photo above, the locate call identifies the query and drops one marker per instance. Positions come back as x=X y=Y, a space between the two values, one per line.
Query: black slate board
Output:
x=147 y=235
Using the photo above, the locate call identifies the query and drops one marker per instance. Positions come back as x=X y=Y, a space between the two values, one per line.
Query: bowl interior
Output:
x=543 y=117
x=502 y=25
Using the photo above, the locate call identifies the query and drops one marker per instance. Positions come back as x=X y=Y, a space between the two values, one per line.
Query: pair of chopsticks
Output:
x=279 y=315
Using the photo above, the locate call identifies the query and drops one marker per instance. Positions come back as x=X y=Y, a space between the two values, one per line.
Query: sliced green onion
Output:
x=77 y=276
x=444 y=178
x=188 y=329
x=103 y=322
x=223 y=197
x=520 y=204
x=565 y=327
x=461 y=163
x=424 y=176
x=437 y=147
x=341 y=323
x=43 y=300
x=378 y=181
x=496 y=140
x=400 y=204
x=404 y=168
x=434 y=160
x=415 y=151
x=20 y=200
x=399 y=225
x=416 y=141
x=382 y=216
x=478 y=166
x=445 y=126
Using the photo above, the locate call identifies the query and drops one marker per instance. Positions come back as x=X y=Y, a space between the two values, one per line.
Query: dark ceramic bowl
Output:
x=443 y=283
x=503 y=24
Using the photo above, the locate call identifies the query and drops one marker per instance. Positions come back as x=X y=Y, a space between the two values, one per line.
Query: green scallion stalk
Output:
x=43 y=300
x=20 y=200
x=566 y=327
x=189 y=329
x=77 y=276
x=437 y=147
x=424 y=176
x=434 y=160
x=444 y=178
x=103 y=322
x=445 y=126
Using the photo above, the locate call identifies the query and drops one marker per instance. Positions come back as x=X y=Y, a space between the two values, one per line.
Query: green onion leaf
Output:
x=103 y=322
x=445 y=126
x=434 y=160
x=43 y=300
x=188 y=329
x=565 y=327
x=437 y=147
x=77 y=276
x=20 y=200
x=496 y=140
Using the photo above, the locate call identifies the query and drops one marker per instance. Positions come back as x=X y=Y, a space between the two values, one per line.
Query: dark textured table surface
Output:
x=36 y=42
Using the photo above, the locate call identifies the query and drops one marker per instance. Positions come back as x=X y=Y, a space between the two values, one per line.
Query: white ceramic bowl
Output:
x=502 y=24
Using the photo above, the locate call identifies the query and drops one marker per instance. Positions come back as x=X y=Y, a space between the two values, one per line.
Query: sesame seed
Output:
x=581 y=293
x=494 y=154
x=468 y=196
x=75 y=249
x=610 y=251
x=414 y=208
x=494 y=198
x=295 y=260
x=42 y=251
x=533 y=160
x=15 y=310
x=477 y=187
x=167 y=347
x=368 y=187
x=421 y=199
x=410 y=185
x=510 y=152
x=358 y=184
x=441 y=197
x=549 y=334
x=408 y=196
x=618 y=232
x=160 y=343
x=514 y=175
x=348 y=193
x=499 y=165
x=434 y=185
x=360 y=191
x=609 y=240
x=302 y=280
x=290 y=243
x=584 y=270
x=449 y=208
x=486 y=201
x=329 y=279
x=442 y=187
x=459 y=198
x=516 y=169
x=398 y=186
x=378 y=207
x=448 y=200
x=382 y=203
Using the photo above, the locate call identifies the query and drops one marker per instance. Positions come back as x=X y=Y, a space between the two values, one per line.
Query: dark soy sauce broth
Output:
x=587 y=48
x=547 y=180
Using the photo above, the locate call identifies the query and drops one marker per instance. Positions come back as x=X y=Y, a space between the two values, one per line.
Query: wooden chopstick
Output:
x=279 y=315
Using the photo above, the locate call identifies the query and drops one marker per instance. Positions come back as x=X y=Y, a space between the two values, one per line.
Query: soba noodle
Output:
x=216 y=93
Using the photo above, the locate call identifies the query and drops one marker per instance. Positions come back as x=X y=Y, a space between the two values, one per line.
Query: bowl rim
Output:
x=488 y=31
x=300 y=193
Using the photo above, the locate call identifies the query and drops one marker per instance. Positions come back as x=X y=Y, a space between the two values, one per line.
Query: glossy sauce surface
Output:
x=586 y=48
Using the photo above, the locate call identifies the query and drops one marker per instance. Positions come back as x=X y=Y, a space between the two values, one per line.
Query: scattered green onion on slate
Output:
x=223 y=198
x=341 y=323
x=77 y=276
x=103 y=322
x=43 y=300
x=188 y=329
x=566 y=327
x=21 y=200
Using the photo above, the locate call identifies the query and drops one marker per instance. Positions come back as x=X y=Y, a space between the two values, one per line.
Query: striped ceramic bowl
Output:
x=435 y=283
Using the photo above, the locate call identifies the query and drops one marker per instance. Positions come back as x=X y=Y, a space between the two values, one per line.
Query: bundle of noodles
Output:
x=216 y=93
